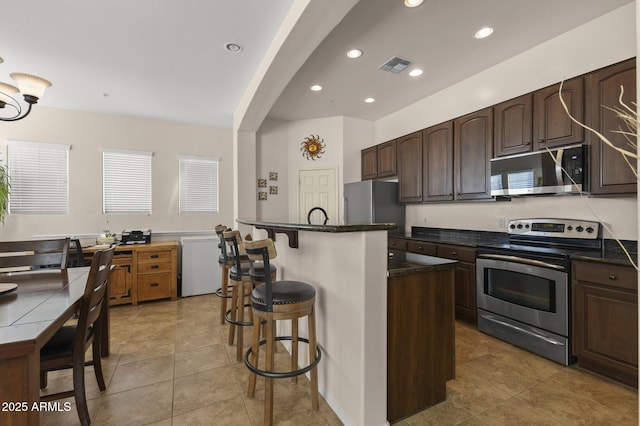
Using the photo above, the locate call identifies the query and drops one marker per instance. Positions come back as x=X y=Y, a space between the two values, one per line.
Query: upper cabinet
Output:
x=410 y=168
x=609 y=172
x=437 y=162
x=379 y=161
x=369 y=163
x=513 y=125
x=552 y=127
x=472 y=150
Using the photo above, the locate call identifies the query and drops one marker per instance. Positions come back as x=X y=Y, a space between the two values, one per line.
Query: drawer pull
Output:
x=612 y=277
x=155 y=266
x=154 y=256
x=154 y=284
x=454 y=253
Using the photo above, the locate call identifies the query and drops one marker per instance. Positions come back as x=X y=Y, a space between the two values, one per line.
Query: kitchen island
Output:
x=347 y=264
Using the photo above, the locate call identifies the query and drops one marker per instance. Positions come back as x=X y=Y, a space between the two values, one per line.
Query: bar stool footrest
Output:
x=227 y=317
x=218 y=293
x=284 y=374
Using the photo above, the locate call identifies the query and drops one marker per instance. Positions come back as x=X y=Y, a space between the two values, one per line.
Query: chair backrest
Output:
x=233 y=240
x=76 y=257
x=34 y=254
x=93 y=299
x=263 y=251
x=223 y=246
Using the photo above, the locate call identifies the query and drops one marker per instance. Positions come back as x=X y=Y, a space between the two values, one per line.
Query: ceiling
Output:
x=165 y=59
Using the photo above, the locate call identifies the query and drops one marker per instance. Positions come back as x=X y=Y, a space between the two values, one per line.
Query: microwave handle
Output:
x=522 y=260
x=558 y=160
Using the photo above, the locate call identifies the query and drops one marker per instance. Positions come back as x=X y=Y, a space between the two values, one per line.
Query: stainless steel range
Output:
x=524 y=285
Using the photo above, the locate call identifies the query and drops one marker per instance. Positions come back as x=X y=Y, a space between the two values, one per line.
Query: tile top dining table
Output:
x=29 y=315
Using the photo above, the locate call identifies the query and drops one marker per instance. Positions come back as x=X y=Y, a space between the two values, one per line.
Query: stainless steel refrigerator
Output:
x=373 y=201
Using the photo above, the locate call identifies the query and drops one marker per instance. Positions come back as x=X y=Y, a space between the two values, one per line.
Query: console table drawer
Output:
x=154 y=286
x=154 y=256
x=152 y=268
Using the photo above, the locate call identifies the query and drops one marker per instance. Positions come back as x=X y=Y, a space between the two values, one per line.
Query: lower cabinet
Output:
x=605 y=320
x=465 y=271
x=120 y=285
x=465 y=280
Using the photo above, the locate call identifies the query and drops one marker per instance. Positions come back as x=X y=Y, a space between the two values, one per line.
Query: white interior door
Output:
x=317 y=188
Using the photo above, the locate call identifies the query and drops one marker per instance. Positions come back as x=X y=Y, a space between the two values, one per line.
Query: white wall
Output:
x=604 y=41
x=88 y=133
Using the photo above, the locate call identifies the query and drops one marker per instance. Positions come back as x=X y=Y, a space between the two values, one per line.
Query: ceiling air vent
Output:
x=395 y=65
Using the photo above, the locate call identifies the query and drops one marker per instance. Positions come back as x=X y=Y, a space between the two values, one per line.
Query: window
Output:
x=126 y=182
x=198 y=184
x=39 y=178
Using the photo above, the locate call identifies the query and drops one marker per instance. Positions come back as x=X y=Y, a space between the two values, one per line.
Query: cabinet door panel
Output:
x=552 y=127
x=387 y=159
x=513 y=123
x=120 y=284
x=369 y=163
x=437 y=161
x=473 y=143
x=410 y=168
x=610 y=174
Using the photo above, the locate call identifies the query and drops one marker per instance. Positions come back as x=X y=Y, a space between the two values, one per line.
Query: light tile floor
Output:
x=171 y=365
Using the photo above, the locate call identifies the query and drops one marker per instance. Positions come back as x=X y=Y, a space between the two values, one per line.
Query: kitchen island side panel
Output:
x=348 y=271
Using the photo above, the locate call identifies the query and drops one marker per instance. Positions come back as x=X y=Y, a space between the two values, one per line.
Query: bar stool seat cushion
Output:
x=256 y=271
x=283 y=293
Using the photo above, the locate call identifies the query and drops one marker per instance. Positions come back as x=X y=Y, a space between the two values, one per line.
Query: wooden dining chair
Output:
x=34 y=254
x=66 y=349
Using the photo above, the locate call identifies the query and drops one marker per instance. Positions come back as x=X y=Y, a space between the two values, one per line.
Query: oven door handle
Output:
x=522 y=330
x=522 y=260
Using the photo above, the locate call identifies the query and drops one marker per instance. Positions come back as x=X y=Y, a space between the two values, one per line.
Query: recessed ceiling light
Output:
x=233 y=47
x=369 y=100
x=483 y=32
x=413 y=3
x=415 y=72
x=354 y=53
x=316 y=88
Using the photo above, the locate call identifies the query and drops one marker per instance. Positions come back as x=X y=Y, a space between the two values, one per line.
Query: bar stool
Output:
x=225 y=264
x=242 y=283
x=273 y=301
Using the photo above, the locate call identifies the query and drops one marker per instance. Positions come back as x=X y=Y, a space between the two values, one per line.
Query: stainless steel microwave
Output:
x=557 y=171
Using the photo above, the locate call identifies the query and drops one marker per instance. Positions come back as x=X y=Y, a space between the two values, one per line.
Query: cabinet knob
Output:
x=612 y=277
x=155 y=266
x=420 y=247
x=154 y=284
x=155 y=256
x=455 y=253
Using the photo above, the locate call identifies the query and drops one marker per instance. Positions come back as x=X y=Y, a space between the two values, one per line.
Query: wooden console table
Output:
x=143 y=272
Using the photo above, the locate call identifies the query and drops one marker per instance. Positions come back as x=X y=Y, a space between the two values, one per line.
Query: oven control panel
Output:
x=561 y=228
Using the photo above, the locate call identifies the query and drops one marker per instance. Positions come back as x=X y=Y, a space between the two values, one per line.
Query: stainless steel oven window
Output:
x=497 y=276
x=526 y=290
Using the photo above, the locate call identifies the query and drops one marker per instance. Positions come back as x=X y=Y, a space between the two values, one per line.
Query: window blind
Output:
x=198 y=184
x=126 y=182
x=39 y=178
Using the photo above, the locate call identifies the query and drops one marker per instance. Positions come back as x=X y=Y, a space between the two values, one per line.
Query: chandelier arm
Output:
x=19 y=111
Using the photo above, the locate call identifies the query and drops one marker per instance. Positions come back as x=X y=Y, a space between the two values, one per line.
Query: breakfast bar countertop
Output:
x=298 y=224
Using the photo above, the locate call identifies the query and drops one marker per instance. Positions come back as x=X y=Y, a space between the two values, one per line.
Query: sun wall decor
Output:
x=312 y=147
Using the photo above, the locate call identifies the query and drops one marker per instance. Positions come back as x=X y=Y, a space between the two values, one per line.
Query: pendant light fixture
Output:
x=30 y=86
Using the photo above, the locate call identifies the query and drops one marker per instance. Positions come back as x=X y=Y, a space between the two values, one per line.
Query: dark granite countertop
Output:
x=330 y=226
x=403 y=263
x=611 y=252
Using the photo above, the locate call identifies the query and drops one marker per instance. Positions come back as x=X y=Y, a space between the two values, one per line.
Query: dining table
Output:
x=33 y=306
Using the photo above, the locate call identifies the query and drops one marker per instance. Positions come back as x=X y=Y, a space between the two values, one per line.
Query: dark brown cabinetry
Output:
x=379 y=161
x=472 y=150
x=609 y=172
x=437 y=162
x=397 y=243
x=420 y=341
x=513 y=126
x=605 y=320
x=465 y=279
x=421 y=247
x=552 y=127
x=369 y=163
x=410 y=168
